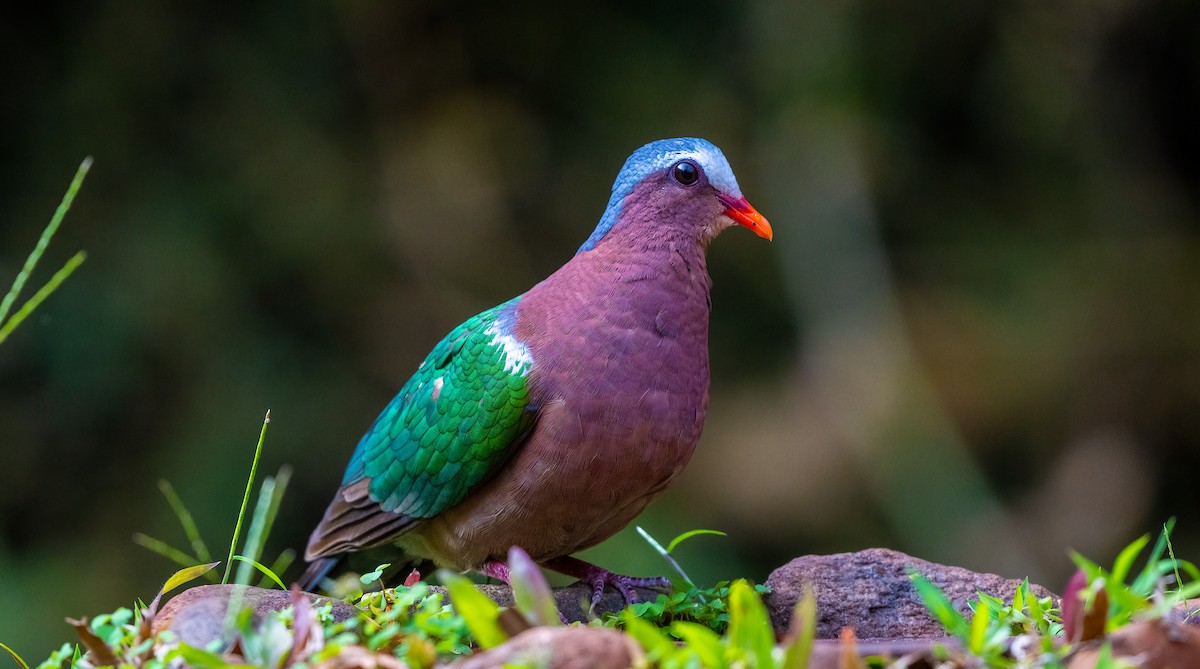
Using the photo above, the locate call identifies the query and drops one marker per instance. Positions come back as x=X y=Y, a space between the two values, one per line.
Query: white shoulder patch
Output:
x=517 y=358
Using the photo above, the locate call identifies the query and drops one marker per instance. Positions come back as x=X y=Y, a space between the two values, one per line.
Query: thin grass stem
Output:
x=164 y=549
x=237 y=529
x=40 y=296
x=186 y=520
x=43 y=241
x=254 y=537
x=15 y=657
x=665 y=555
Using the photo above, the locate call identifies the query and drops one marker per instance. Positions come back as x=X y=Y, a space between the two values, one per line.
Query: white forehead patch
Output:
x=710 y=159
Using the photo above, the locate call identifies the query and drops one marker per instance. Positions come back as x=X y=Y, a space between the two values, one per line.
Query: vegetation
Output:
x=725 y=626
x=7 y=324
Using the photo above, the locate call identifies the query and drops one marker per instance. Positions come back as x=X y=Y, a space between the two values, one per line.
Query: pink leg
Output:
x=496 y=570
x=598 y=577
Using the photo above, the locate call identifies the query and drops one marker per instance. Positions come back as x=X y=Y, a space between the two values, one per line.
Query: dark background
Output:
x=976 y=337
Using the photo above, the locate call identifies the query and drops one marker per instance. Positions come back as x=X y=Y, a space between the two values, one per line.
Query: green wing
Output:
x=453 y=423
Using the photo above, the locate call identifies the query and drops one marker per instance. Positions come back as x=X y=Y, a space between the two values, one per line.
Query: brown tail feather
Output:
x=316 y=571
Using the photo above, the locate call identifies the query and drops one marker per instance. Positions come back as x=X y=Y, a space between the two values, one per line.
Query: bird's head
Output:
x=685 y=182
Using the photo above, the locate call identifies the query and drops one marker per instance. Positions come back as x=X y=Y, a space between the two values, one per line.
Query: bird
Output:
x=550 y=421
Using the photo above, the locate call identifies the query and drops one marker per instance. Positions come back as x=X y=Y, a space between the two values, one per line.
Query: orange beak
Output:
x=743 y=213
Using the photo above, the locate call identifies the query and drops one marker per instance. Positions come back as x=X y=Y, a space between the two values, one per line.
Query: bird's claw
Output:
x=598 y=577
x=626 y=585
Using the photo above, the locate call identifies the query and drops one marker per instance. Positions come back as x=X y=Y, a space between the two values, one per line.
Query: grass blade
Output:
x=804 y=626
x=749 y=625
x=262 y=568
x=164 y=549
x=939 y=605
x=43 y=241
x=704 y=643
x=1126 y=557
x=177 y=579
x=15 y=657
x=254 y=538
x=666 y=555
x=282 y=478
x=38 y=297
x=688 y=535
x=531 y=592
x=186 y=520
x=280 y=565
x=656 y=644
x=237 y=529
x=184 y=575
x=479 y=612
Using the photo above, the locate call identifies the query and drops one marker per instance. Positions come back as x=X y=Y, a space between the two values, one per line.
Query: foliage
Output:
x=725 y=625
x=262 y=518
x=7 y=326
x=708 y=607
x=666 y=552
x=1157 y=588
x=989 y=633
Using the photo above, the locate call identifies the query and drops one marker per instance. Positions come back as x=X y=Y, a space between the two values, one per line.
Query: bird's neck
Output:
x=663 y=269
x=662 y=286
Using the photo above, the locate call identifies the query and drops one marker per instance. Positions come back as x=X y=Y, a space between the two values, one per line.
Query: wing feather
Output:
x=448 y=430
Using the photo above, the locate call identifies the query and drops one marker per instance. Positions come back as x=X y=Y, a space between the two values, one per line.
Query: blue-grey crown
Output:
x=657 y=156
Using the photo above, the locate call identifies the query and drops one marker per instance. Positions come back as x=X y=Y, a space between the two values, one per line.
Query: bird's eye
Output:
x=686 y=172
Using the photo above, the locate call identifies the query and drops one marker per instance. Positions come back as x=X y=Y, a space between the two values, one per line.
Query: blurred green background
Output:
x=976 y=337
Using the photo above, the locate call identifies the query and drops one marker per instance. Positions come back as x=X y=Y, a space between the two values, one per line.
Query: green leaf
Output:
x=45 y=291
x=1038 y=613
x=665 y=554
x=280 y=565
x=162 y=548
x=259 y=526
x=688 y=535
x=940 y=606
x=262 y=568
x=749 y=625
x=40 y=248
x=237 y=528
x=804 y=628
x=703 y=642
x=184 y=575
x=980 y=619
x=372 y=576
x=479 y=612
x=202 y=659
x=656 y=644
x=1104 y=659
x=531 y=592
x=1126 y=557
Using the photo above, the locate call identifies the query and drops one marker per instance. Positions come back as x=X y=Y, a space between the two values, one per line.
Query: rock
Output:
x=871 y=592
x=1188 y=612
x=560 y=648
x=197 y=615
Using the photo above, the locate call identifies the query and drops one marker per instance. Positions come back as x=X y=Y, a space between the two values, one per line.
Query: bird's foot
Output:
x=497 y=570
x=598 y=577
x=500 y=571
